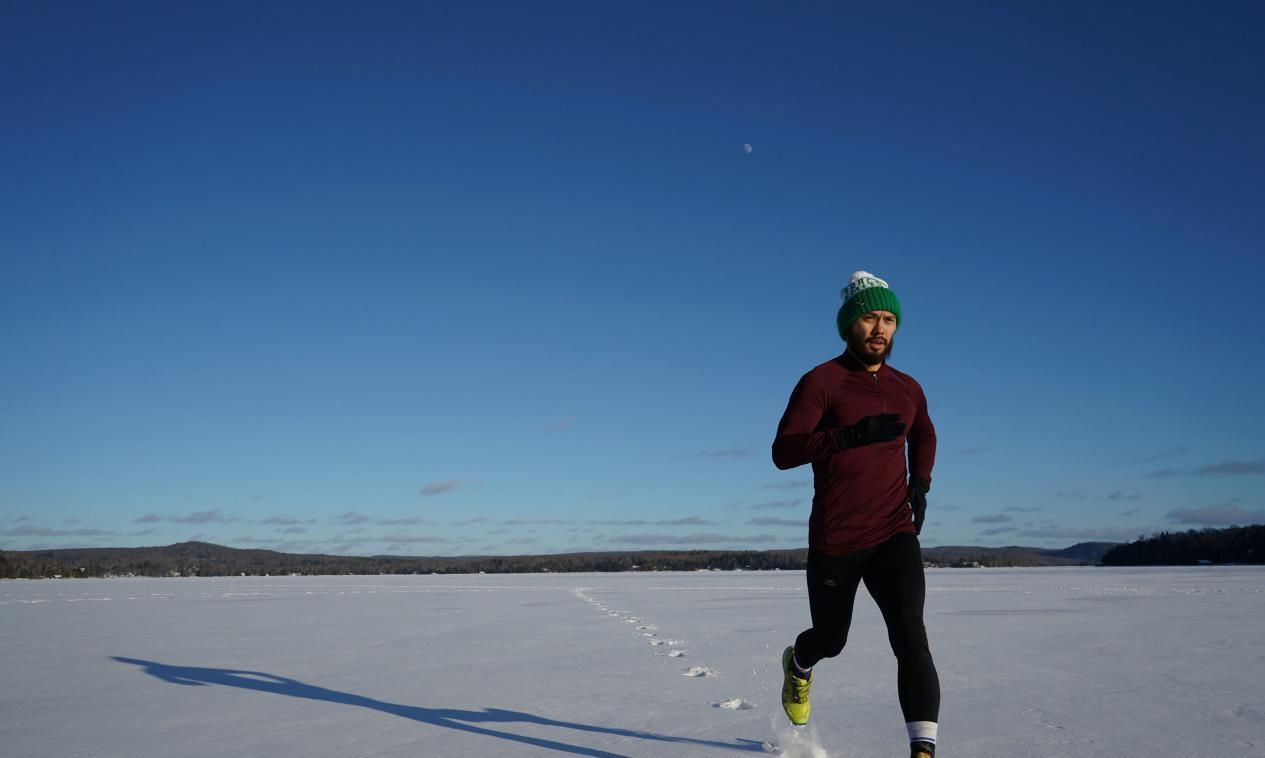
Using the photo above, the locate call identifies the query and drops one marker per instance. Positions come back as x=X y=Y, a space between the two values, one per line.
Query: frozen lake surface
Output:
x=1083 y=663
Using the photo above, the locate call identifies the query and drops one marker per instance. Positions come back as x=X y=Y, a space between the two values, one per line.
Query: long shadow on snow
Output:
x=446 y=717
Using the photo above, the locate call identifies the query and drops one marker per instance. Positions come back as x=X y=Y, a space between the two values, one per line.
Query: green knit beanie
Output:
x=865 y=293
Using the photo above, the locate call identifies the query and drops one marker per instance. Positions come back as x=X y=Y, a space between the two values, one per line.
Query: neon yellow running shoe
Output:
x=794 y=691
x=920 y=749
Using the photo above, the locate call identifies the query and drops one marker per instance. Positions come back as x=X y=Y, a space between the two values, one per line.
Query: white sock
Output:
x=922 y=730
x=796 y=666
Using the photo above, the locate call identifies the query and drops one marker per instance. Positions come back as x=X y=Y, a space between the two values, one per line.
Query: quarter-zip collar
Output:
x=850 y=362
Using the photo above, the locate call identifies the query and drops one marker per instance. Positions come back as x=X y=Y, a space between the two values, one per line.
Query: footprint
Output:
x=698 y=671
x=734 y=704
x=1045 y=718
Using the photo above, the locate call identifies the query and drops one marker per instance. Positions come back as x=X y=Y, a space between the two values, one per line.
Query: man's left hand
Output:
x=918 y=502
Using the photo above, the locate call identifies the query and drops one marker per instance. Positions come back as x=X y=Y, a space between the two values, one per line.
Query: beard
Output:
x=862 y=352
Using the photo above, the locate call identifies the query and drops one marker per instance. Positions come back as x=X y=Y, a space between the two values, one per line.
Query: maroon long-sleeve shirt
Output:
x=860 y=495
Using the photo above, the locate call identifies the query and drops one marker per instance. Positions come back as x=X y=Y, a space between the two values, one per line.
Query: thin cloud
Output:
x=534 y=522
x=352 y=517
x=791 y=485
x=28 y=530
x=283 y=521
x=689 y=539
x=777 y=504
x=1217 y=515
x=1017 y=509
x=440 y=487
x=1066 y=495
x=995 y=531
x=1127 y=496
x=689 y=521
x=198 y=517
x=294 y=530
x=202 y=517
x=343 y=548
x=997 y=518
x=1172 y=452
x=1225 y=468
x=411 y=539
x=731 y=452
x=1100 y=534
x=411 y=521
x=1231 y=468
x=772 y=521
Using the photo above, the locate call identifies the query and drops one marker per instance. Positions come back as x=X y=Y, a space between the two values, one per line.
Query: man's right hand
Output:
x=881 y=428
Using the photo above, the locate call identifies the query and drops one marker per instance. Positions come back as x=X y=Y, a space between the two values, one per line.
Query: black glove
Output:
x=918 y=502
x=881 y=428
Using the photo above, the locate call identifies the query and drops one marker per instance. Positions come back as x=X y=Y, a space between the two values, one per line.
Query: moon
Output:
x=747 y=148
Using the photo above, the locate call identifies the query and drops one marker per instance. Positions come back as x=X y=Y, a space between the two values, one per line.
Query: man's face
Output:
x=870 y=336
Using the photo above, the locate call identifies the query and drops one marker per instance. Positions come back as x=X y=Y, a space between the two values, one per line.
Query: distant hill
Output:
x=1082 y=554
x=206 y=559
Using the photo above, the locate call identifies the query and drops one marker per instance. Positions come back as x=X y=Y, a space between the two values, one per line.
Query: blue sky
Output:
x=459 y=278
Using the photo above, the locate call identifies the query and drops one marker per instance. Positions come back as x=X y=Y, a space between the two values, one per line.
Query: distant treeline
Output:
x=204 y=559
x=1238 y=544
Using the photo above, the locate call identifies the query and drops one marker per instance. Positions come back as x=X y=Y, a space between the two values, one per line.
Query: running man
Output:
x=851 y=418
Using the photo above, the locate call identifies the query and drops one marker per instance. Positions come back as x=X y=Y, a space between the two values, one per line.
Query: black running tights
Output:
x=892 y=573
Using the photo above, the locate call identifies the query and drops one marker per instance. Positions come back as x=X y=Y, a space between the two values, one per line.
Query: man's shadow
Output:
x=466 y=721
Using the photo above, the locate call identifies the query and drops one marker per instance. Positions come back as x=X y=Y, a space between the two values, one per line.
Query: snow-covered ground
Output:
x=1083 y=663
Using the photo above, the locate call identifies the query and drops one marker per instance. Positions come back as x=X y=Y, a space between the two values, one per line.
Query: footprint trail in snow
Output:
x=650 y=633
